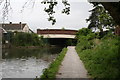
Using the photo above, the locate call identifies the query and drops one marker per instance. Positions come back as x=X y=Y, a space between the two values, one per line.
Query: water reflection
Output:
x=27 y=63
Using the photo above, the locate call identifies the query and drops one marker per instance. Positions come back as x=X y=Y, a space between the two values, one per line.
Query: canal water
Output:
x=27 y=63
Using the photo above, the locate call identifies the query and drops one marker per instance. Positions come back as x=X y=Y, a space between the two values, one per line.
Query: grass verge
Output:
x=101 y=59
x=53 y=68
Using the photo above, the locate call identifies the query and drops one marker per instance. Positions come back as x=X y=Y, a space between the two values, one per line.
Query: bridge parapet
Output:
x=56 y=31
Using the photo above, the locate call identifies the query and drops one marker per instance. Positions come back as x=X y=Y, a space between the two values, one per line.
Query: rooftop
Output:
x=13 y=26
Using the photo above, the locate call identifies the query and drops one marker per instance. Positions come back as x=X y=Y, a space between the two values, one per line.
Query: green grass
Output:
x=101 y=59
x=50 y=72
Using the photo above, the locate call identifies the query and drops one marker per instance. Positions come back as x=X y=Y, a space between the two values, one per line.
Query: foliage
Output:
x=100 y=18
x=85 y=34
x=100 y=56
x=63 y=28
x=84 y=31
x=53 y=68
x=3 y=39
x=7 y=36
x=50 y=10
x=113 y=9
x=26 y=39
x=71 y=42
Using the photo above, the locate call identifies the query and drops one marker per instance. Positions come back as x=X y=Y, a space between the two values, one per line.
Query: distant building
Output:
x=21 y=27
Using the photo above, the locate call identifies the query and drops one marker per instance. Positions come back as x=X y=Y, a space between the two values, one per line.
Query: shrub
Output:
x=83 y=32
x=26 y=39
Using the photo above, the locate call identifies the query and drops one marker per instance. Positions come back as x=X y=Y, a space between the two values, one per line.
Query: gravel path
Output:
x=72 y=66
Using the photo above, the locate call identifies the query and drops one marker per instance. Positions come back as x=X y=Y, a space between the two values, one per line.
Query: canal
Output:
x=27 y=63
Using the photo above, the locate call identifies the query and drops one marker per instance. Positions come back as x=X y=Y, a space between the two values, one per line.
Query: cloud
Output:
x=37 y=18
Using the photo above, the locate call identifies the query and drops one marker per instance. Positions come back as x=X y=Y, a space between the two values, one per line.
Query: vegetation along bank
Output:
x=53 y=68
x=20 y=39
x=100 y=55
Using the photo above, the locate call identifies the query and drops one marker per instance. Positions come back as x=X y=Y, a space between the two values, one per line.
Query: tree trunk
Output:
x=117 y=30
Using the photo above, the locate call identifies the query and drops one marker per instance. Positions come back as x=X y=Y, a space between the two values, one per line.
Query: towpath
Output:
x=72 y=66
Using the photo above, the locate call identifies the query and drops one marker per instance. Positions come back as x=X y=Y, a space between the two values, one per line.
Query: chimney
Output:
x=10 y=22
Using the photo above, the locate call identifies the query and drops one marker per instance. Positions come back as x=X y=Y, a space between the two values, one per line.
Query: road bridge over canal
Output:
x=57 y=36
x=57 y=33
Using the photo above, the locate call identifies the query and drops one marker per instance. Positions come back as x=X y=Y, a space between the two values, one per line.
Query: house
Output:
x=13 y=27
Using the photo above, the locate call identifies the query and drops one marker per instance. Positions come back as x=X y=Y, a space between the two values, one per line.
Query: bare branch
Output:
x=5 y=10
x=28 y=3
x=1 y=1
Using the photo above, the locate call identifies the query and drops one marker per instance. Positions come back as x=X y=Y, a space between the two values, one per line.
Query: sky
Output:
x=36 y=18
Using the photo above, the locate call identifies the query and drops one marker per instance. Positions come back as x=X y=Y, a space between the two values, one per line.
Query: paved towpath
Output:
x=72 y=66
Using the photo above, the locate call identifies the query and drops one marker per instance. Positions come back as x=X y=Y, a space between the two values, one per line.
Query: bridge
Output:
x=58 y=36
x=57 y=33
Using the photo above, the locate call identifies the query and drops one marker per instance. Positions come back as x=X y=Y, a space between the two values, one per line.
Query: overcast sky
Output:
x=36 y=18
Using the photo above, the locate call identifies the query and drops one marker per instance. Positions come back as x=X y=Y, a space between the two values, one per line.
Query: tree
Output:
x=84 y=35
x=83 y=32
x=114 y=9
x=63 y=28
x=100 y=18
x=26 y=39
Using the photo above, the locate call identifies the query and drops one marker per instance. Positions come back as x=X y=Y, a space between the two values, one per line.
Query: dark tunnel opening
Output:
x=61 y=41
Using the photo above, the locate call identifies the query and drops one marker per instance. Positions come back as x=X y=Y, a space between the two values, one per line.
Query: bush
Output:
x=83 y=32
x=26 y=39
